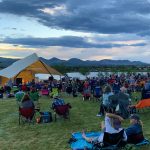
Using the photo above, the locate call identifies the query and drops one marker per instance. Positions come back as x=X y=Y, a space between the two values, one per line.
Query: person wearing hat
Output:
x=134 y=131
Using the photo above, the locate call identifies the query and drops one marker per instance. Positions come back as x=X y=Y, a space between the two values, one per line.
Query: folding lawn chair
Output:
x=138 y=140
x=62 y=111
x=26 y=115
x=142 y=143
x=112 y=141
x=45 y=92
x=54 y=92
x=19 y=96
x=35 y=98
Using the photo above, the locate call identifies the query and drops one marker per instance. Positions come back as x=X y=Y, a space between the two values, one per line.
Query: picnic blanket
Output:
x=80 y=143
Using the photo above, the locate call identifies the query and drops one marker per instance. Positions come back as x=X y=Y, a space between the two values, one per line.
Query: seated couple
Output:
x=133 y=134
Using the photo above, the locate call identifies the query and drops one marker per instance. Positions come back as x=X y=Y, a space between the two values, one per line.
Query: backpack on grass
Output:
x=46 y=117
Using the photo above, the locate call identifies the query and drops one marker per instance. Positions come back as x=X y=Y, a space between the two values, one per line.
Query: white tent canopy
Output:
x=46 y=76
x=92 y=74
x=76 y=75
x=27 y=68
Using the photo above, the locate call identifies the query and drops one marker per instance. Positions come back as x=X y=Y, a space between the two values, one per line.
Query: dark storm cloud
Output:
x=103 y=16
x=29 y=8
x=66 y=41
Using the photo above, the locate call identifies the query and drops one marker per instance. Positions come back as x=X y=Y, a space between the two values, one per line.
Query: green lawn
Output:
x=52 y=136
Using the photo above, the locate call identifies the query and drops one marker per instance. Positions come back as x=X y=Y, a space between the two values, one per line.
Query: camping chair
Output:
x=26 y=115
x=35 y=98
x=135 y=138
x=145 y=142
x=110 y=142
x=19 y=96
x=138 y=140
x=54 y=92
x=62 y=111
x=45 y=92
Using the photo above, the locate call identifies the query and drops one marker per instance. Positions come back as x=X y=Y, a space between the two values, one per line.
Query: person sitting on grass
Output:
x=111 y=125
x=134 y=131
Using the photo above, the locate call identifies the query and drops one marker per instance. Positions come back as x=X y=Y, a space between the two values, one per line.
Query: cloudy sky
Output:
x=85 y=29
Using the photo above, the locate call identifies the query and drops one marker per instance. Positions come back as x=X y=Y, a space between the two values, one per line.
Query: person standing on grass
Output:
x=105 y=100
x=124 y=102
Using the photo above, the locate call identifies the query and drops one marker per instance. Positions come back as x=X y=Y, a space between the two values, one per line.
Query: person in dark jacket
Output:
x=123 y=102
x=134 y=131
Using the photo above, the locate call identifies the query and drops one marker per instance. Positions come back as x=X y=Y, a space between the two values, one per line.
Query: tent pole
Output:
x=45 y=67
x=16 y=77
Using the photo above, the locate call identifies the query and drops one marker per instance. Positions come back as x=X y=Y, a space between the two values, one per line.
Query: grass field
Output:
x=55 y=135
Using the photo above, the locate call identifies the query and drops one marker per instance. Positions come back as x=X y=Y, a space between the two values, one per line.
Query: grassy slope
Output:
x=53 y=136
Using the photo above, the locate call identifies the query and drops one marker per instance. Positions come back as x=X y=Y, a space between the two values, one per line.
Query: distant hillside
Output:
x=53 y=61
x=5 y=62
x=104 y=62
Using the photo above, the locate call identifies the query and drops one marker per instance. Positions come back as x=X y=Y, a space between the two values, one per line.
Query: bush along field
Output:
x=54 y=135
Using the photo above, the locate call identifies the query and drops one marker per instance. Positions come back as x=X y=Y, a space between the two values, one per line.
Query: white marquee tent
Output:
x=25 y=69
x=92 y=74
x=76 y=75
x=46 y=76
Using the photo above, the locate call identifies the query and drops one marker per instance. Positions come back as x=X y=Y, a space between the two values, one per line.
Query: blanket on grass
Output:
x=79 y=143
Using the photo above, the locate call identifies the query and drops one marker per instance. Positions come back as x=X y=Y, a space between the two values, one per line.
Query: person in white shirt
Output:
x=111 y=125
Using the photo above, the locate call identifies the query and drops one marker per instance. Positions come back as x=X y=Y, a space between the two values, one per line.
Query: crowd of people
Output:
x=132 y=82
x=114 y=93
